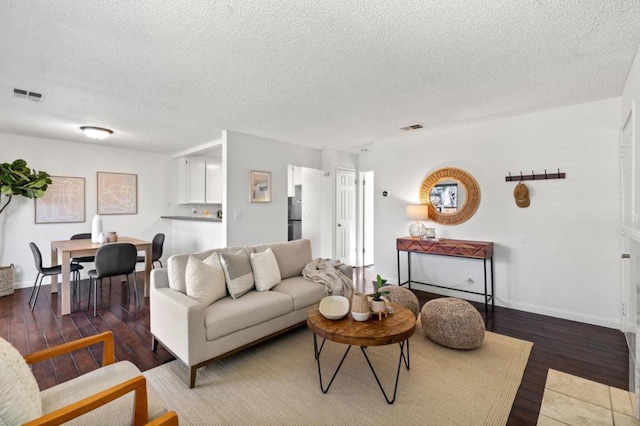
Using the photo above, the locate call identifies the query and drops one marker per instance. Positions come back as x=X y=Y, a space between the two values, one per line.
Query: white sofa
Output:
x=198 y=334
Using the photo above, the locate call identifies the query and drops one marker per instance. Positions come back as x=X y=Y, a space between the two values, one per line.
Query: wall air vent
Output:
x=25 y=94
x=412 y=127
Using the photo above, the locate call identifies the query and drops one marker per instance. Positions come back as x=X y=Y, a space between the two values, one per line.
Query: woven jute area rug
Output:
x=276 y=383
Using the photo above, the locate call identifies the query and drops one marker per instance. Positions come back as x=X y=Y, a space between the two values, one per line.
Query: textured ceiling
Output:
x=331 y=74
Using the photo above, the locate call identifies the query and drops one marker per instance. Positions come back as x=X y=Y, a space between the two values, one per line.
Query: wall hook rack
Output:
x=534 y=176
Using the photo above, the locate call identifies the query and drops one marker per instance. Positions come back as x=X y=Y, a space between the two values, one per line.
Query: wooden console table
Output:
x=445 y=247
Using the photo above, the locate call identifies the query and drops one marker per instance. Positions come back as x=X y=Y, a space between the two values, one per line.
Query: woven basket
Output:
x=6 y=280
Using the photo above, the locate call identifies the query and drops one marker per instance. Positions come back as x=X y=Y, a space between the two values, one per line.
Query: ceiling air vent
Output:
x=412 y=127
x=25 y=94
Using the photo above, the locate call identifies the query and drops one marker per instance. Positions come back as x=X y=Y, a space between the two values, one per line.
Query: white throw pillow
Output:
x=19 y=393
x=266 y=273
x=237 y=272
x=205 y=279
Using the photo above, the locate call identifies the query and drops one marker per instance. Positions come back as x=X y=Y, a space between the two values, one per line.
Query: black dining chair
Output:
x=83 y=259
x=156 y=250
x=113 y=259
x=47 y=272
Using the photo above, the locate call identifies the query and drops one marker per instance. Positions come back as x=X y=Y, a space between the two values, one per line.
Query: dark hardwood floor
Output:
x=595 y=353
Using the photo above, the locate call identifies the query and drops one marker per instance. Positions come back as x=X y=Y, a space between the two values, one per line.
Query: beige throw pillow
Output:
x=237 y=272
x=205 y=279
x=266 y=273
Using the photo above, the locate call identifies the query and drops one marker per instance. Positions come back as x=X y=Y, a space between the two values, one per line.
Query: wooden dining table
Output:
x=64 y=250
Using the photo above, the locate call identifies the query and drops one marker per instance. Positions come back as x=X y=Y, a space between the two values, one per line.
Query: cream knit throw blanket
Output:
x=325 y=271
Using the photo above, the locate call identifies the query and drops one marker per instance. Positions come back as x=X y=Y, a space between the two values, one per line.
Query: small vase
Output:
x=360 y=307
x=96 y=228
x=378 y=306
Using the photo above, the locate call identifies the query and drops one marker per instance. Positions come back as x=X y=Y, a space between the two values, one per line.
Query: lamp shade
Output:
x=418 y=212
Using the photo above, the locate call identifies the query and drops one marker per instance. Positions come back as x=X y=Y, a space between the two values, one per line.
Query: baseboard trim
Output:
x=26 y=285
x=534 y=309
x=29 y=284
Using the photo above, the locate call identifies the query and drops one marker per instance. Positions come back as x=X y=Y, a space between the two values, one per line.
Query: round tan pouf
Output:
x=453 y=323
x=403 y=296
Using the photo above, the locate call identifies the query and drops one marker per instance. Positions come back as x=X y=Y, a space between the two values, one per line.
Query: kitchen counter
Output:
x=198 y=218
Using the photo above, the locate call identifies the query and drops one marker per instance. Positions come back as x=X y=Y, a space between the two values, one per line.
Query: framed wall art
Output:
x=62 y=202
x=260 y=187
x=117 y=193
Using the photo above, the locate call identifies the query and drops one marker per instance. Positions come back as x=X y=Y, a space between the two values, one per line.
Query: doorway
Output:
x=309 y=194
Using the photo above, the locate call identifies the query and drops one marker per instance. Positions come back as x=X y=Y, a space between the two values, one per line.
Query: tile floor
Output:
x=571 y=400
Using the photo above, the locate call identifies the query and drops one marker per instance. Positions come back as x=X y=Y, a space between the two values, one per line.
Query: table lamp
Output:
x=418 y=212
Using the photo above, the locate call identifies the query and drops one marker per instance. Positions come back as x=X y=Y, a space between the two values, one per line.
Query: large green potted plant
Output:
x=18 y=179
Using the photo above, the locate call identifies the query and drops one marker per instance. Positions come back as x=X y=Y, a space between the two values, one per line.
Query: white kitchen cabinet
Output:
x=199 y=181
x=213 y=183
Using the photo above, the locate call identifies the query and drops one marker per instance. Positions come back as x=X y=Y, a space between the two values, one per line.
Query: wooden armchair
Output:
x=116 y=393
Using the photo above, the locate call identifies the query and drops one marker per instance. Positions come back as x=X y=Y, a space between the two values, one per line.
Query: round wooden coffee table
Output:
x=395 y=328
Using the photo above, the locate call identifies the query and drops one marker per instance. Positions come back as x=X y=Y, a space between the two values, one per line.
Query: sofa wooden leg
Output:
x=192 y=376
x=154 y=343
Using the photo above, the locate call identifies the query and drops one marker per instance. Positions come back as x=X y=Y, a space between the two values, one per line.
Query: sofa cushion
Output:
x=227 y=315
x=291 y=256
x=19 y=393
x=237 y=273
x=205 y=280
x=303 y=292
x=177 y=265
x=266 y=273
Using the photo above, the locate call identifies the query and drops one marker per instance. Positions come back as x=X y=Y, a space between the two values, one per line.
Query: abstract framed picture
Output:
x=117 y=193
x=260 y=187
x=62 y=202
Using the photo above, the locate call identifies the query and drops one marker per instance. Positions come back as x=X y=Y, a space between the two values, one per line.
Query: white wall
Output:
x=558 y=257
x=255 y=223
x=59 y=158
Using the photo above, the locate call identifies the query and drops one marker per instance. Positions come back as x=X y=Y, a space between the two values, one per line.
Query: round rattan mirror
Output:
x=453 y=195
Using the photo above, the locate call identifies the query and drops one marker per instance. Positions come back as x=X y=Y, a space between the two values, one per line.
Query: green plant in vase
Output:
x=378 y=304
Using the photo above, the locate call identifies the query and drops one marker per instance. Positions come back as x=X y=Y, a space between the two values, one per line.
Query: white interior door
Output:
x=366 y=189
x=345 y=216
x=628 y=292
x=630 y=248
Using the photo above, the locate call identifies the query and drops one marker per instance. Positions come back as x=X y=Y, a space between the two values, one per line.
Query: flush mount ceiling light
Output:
x=96 y=132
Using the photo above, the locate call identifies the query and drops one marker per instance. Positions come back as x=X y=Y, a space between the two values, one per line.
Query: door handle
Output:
x=339 y=225
x=625 y=256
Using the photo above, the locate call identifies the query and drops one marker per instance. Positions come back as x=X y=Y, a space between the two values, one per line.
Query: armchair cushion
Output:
x=118 y=412
x=19 y=393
